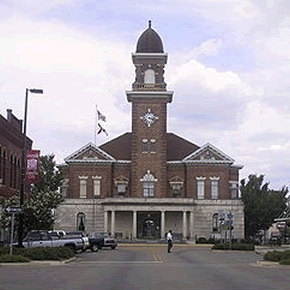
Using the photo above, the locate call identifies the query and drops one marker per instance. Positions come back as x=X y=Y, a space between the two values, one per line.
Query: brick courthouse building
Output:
x=141 y=184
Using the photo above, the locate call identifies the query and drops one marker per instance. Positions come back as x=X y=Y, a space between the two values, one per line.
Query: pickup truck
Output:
x=65 y=234
x=45 y=239
x=100 y=240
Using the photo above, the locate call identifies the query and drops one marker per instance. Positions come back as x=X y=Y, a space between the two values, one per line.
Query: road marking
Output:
x=157 y=257
x=123 y=262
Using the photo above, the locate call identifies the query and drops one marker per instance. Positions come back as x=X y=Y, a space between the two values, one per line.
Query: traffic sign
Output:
x=13 y=209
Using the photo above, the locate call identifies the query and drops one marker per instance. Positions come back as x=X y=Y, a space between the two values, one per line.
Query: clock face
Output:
x=149 y=118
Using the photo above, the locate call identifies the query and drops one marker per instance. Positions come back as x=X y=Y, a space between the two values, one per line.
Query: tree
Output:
x=45 y=196
x=262 y=205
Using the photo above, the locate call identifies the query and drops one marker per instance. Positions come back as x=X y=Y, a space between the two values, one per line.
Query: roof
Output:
x=149 y=42
x=177 y=147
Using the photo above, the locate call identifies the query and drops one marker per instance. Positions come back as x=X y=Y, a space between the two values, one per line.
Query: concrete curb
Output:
x=40 y=263
x=269 y=264
x=164 y=245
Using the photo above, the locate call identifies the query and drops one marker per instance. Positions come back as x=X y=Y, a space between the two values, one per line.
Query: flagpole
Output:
x=96 y=124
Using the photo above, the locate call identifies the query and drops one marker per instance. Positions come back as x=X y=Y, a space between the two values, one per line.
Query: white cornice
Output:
x=72 y=156
x=149 y=94
x=227 y=159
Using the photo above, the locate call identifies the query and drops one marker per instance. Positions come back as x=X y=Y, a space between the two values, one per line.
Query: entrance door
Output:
x=149 y=225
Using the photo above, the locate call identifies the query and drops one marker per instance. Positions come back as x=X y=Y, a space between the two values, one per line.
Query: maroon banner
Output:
x=32 y=165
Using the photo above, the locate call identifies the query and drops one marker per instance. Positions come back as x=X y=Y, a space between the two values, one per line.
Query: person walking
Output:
x=169 y=238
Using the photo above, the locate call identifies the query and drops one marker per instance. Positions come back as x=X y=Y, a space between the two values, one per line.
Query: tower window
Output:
x=148 y=184
x=149 y=76
x=149 y=146
x=148 y=188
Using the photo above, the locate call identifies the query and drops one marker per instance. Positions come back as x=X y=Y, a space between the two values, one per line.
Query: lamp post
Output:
x=23 y=157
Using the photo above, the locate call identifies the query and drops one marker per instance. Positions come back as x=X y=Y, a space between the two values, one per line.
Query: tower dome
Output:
x=149 y=41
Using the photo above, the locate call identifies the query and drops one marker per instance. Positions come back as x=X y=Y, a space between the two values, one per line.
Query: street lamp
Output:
x=22 y=174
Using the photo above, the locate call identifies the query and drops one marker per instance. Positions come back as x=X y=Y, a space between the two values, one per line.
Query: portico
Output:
x=149 y=218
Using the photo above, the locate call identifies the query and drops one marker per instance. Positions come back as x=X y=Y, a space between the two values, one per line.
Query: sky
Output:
x=228 y=65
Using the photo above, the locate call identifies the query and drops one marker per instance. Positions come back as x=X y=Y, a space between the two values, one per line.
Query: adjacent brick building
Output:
x=11 y=145
x=143 y=183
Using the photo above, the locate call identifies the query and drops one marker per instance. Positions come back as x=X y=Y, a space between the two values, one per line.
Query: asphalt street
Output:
x=150 y=267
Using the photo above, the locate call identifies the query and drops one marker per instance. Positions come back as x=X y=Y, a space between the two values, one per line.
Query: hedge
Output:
x=57 y=253
x=283 y=257
x=235 y=246
x=13 y=259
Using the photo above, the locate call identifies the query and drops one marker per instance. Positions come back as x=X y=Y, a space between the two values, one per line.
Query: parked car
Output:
x=62 y=233
x=45 y=239
x=100 y=240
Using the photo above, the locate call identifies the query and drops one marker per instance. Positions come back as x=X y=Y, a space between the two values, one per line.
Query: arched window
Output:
x=215 y=223
x=148 y=184
x=149 y=77
x=4 y=168
x=81 y=221
x=11 y=172
x=0 y=164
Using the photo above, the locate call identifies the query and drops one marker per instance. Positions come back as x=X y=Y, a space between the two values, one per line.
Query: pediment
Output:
x=176 y=179
x=209 y=154
x=89 y=153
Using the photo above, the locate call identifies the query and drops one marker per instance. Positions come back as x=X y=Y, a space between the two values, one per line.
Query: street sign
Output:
x=13 y=209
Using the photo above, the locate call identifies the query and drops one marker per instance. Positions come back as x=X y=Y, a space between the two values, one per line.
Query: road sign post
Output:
x=13 y=211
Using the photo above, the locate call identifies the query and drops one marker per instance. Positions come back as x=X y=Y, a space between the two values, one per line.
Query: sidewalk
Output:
x=40 y=263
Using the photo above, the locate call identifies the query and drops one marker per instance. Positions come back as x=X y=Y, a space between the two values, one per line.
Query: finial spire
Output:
x=149 y=24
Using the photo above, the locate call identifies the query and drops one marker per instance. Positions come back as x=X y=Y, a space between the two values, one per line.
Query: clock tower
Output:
x=149 y=99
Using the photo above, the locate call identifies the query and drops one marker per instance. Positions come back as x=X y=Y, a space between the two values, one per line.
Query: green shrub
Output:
x=6 y=258
x=285 y=262
x=286 y=255
x=274 y=256
x=235 y=246
x=4 y=250
x=201 y=240
x=58 y=253
x=220 y=247
x=243 y=247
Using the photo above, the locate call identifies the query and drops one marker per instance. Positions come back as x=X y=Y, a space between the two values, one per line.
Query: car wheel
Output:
x=94 y=247
x=113 y=247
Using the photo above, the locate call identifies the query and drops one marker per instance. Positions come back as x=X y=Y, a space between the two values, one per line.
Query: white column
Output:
x=191 y=230
x=105 y=222
x=184 y=225
x=162 y=233
x=134 y=233
x=112 y=222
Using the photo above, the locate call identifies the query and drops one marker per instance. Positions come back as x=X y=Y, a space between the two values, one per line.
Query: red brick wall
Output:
x=11 y=143
x=155 y=162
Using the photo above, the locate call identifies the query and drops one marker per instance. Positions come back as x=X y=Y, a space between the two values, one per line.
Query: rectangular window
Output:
x=214 y=189
x=64 y=187
x=97 y=187
x=234 y=193
x=121 y=187
x=176 y=189
x=148 y=188
x=83 y=186
x=200 y=189
x=234 y=189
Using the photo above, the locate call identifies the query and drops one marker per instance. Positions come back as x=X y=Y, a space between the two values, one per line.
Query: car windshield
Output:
x=99 y=235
